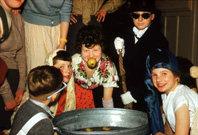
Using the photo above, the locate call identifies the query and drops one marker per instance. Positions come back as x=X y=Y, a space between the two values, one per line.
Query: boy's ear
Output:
x=152 y=16
x=54 y=97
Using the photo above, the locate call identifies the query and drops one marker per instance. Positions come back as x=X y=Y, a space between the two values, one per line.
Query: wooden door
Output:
x=179 y=21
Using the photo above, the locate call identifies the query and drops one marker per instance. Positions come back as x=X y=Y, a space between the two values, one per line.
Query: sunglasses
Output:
x=62 y=88
x=136 y=16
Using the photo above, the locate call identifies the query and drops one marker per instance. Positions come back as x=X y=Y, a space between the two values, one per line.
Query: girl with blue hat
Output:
x=179 y=101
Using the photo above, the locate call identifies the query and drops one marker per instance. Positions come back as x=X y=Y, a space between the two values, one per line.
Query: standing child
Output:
x=33 y=117
x=72 y=97
x=140 y=39
x=179 y=101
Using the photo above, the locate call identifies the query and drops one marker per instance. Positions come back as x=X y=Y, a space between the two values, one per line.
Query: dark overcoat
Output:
x=135 y=58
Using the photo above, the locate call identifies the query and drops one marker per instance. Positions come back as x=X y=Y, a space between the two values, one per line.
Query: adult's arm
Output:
x=65 y=19
x=108 y=91
x=64 y=27
x=21 y=61
x=107 y=100
x=109 y=7
x=112 y=5
x=8 y=98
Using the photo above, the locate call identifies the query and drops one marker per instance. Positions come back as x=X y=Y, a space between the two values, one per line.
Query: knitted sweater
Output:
x=12 y=51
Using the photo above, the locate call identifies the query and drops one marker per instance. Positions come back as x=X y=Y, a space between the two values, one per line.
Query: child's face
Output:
x=164 y=80
x=142 y=22
x=65 y=67
x=13 y=3
x=95 y=52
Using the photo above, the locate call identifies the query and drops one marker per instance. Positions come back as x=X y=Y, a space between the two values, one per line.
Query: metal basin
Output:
x=123 y=121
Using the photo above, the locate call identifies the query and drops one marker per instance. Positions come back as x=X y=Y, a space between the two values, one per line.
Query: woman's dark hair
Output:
x=62 y=55
x=184 y=69
x=90 y=36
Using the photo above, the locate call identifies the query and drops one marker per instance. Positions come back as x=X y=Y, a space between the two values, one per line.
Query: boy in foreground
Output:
x=33 y=117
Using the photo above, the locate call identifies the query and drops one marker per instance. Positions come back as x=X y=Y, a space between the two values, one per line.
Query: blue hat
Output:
x=157 y=59
x=162 y=59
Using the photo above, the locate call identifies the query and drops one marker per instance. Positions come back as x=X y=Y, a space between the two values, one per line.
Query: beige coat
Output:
x=12 y=51
x=86 y=8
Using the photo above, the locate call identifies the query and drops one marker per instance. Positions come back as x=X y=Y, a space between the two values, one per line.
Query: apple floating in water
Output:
x=91 y=63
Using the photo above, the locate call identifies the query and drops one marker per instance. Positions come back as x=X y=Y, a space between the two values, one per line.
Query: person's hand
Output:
x=19 y=96
x=16 y=11
x=119 y=45
x=101 y=14
x=127 y=98
x=11 y=105
x=73 y=18
x=62 y=45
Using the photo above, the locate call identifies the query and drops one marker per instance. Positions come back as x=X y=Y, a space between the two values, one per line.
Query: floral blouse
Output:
x=105 y=74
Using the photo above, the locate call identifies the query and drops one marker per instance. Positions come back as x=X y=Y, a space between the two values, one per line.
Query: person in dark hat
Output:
x=178 y=100
x=140 y=39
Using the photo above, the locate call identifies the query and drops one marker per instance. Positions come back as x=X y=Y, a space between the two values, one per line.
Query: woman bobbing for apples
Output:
x=93 y=69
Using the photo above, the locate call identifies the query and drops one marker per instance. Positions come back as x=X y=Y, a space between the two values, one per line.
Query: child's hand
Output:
x=19 y=96
x=11 y=105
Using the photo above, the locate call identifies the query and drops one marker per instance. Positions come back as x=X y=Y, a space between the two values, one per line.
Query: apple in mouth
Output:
x=92 y=63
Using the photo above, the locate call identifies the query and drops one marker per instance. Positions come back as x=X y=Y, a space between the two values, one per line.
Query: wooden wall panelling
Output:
x=195 y=33
x=180 y=21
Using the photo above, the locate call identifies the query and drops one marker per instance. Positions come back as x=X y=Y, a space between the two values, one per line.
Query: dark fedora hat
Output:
x=142 y=5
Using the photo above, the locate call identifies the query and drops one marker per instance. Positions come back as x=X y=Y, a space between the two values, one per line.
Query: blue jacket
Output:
x=47 y=12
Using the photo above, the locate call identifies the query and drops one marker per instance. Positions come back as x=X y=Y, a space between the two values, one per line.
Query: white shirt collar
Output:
x=139 y=33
